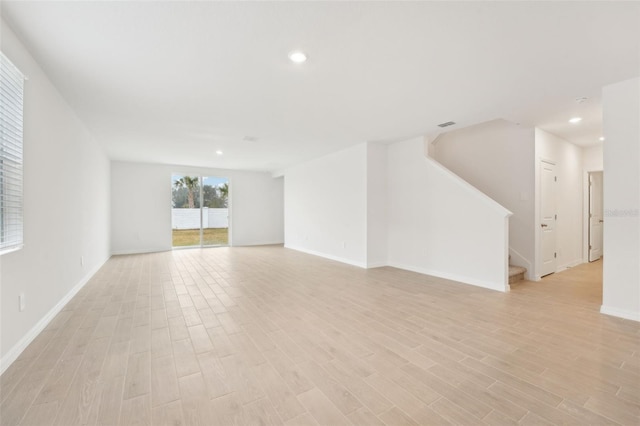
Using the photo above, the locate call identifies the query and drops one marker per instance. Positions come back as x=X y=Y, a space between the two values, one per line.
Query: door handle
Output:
x=544 y=225
x=601 y=221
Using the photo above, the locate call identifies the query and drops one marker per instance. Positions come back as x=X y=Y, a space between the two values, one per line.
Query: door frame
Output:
x=585 y=212
x=201 y=174
x=537 y=216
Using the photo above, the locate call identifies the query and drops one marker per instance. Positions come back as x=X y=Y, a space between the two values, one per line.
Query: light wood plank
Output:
x=136 y=411
x=322 y=410
x=268 y=335
x=164 y=382
x=138 y=379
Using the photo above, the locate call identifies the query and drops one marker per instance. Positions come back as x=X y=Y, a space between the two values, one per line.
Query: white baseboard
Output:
x=620 y=313
x=327 y=256
x=141 y=251
x=568 y=265
x=22 y=344
x=377 y=264
x=159 y=250
x=446 y=275
x=259 y=243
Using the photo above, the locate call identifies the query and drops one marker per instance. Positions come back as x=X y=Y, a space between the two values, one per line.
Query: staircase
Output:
x=516 y=274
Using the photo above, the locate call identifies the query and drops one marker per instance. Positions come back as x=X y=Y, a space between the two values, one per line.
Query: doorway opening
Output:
x=199 y=211
x=548 y=218
x=596 y=216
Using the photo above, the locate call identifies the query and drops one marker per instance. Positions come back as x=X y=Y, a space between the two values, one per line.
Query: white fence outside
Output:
x=190 y=218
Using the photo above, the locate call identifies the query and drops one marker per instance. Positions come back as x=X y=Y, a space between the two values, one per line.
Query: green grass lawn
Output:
x=191 y=237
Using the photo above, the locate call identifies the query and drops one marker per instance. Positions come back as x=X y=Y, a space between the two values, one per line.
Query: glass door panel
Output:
x=215 y=211
x=186 y=220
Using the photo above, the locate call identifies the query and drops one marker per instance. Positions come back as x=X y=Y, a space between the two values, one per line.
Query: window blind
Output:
x=11 y=157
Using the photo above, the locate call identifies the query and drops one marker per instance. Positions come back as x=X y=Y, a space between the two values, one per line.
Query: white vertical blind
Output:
x=11 y=159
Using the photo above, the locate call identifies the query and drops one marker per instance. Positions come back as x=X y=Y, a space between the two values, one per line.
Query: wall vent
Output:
x=447 y=124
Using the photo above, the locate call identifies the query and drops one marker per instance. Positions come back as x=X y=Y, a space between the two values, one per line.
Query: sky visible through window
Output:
x=208 y=180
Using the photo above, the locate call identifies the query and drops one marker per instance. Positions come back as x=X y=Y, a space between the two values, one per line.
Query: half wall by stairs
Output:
x=440 y=225
x=497 y=158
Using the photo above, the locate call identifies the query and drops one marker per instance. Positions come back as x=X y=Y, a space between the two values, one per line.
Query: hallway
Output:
x=580 y=286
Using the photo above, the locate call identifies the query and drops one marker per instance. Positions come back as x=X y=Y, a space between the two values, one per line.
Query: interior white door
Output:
x=548 y=218
x=596 y=219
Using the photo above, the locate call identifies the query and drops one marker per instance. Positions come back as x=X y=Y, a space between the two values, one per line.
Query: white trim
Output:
x=586 y=212
x=260 y=243
x=13 y=353
x=505 y=277
x=144 y=251
x=620 y=313
x=376 y=264
x=11 y=249
x=453 y=277
x=537 y=206
x=159 y=250
x=568 y=265
x=327 y=256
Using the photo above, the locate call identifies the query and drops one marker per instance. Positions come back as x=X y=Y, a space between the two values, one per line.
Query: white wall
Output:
x=256 y=205
x=621 y=280
x=592 y=158
x=497 y=157
x=326 y=206
x=568 y=166
x=136 y=189
x=66 y=172
x=377 y=205
x=440 y=225
x=257 y=208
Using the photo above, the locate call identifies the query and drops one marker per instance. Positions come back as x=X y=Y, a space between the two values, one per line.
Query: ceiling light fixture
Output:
x=575 y=120
x=297 y=57
x=219 y=152
x=601 y=138
x=447 y=124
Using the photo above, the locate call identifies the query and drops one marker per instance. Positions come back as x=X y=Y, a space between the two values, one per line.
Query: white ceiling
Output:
x=172 y=82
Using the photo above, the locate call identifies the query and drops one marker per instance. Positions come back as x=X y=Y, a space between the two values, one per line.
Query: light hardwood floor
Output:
x=265 y=335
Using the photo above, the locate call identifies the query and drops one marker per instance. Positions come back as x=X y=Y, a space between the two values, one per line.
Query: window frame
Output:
x=11 y=156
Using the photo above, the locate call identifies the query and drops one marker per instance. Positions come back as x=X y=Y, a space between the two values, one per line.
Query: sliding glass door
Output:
x=215 y=211
x=199 y=211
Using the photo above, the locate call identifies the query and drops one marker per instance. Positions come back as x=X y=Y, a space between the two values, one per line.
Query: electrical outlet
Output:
x=81 y=260
x=344 y=245
x=22 y=303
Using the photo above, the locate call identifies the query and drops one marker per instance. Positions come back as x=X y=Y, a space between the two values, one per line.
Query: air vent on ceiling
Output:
x=447 y=124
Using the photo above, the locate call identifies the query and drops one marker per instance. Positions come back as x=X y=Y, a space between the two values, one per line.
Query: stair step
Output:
x=516 y=273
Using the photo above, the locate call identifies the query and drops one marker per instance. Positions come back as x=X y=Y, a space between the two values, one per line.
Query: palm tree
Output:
x=191 y=184
x=224 y=192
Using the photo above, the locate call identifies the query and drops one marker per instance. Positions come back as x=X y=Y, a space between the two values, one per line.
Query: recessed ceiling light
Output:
x=219 y=152
x=297 y=57
x=601 y=138
x=575 y=120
